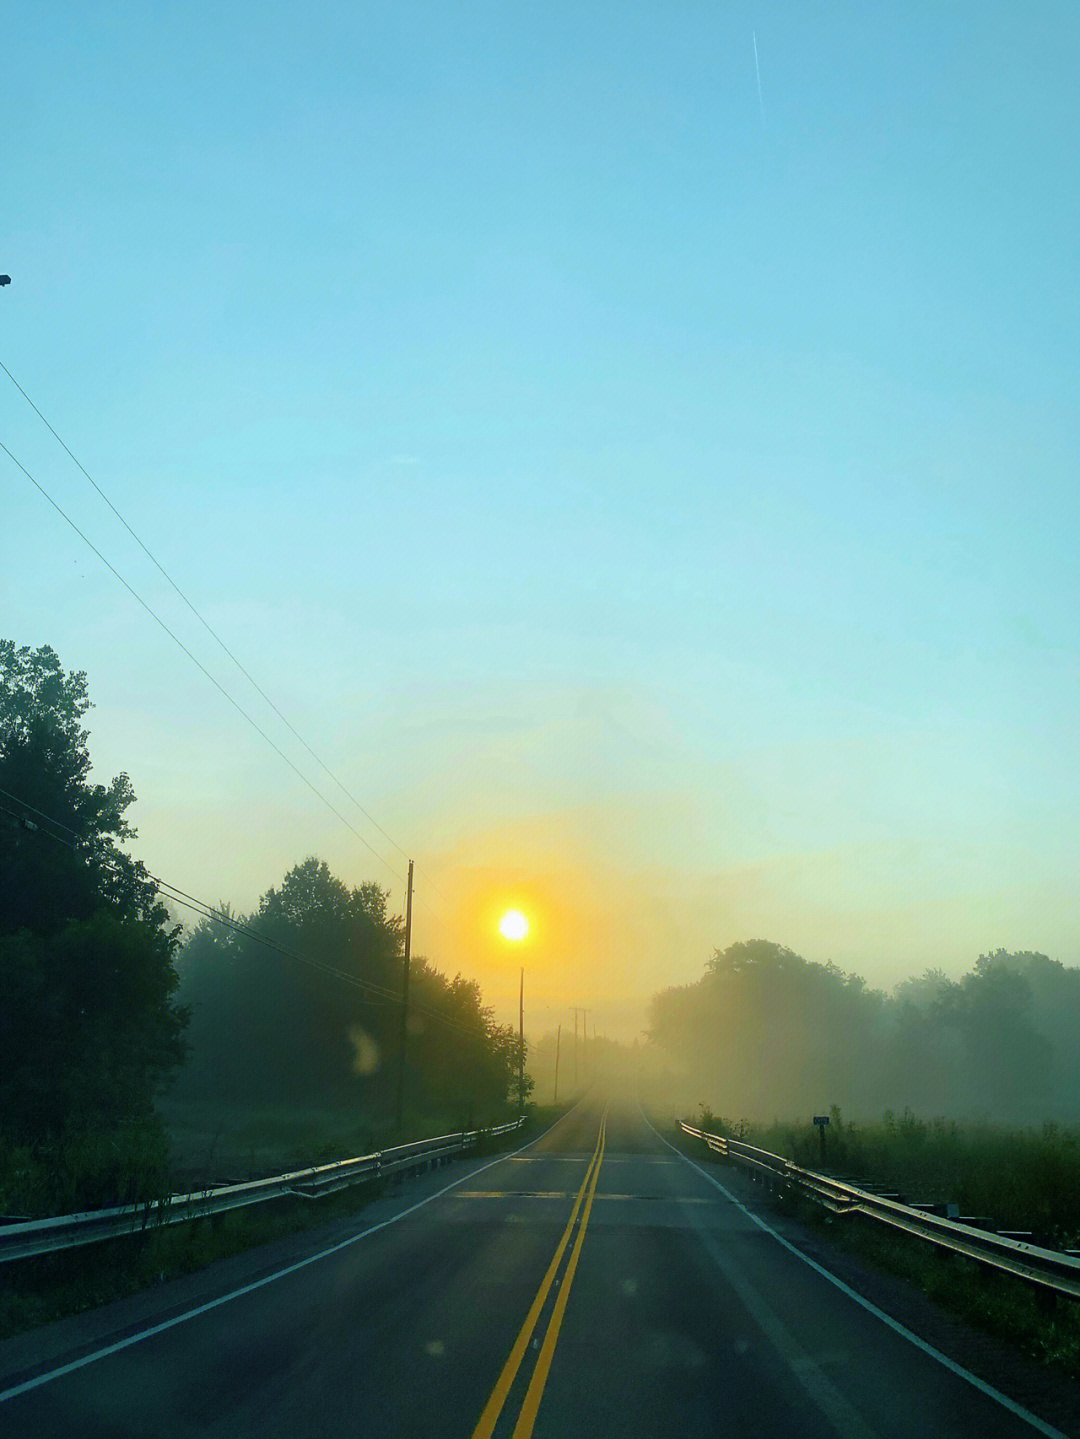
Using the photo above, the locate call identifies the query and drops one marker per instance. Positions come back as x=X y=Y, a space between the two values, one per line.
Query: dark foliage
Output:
x=312 y=1014
x=89 y=1027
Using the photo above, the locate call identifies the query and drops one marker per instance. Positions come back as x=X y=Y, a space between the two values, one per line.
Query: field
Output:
x=1026 y=1179
x=219 y=1144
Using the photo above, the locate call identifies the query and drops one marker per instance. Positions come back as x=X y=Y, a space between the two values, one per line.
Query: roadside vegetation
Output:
x=1012 y=1178
x=53 y=1286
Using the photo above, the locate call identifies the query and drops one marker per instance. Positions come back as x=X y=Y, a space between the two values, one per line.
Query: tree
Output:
x=306 y=1004
x=285 y=1008
x=767 y=1032
x=1010 y=1063
x=44 y=777
x=88 y=1028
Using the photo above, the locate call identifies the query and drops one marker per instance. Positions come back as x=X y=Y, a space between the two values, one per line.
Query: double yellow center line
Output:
x=531 y=1405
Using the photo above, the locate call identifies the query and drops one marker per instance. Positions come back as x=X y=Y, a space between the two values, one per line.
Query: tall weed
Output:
x=1017 y=1178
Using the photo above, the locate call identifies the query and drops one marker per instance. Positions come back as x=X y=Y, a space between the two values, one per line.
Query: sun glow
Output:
x=513 y=925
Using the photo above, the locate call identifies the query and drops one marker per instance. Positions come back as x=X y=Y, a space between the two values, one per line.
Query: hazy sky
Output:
x=656 y=501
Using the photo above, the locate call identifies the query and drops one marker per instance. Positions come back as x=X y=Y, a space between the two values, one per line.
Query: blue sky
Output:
x=652 y=499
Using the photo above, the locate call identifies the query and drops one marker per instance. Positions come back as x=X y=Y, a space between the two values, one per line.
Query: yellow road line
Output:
x=493 y=1408
x=529 y=1409
x=600 y=1195
x=513 y=1194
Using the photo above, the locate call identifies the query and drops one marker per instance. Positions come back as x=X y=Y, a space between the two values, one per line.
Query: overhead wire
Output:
x=203 y=907
x=199 y=615
x=199 y=664
x=211 y=631
x=208 y=911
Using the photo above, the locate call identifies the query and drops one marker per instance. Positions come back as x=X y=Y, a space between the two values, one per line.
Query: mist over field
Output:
x=764 y=1034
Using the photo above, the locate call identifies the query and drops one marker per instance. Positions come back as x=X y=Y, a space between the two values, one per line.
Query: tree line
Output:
x=106 y=999
x=300 y=1000
x=765 y=1033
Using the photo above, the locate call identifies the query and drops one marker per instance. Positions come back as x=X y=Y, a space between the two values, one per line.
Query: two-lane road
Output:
x=593 y=1283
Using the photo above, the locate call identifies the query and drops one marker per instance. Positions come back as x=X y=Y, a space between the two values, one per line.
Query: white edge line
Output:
x=58 y=1373
x=894 y=1324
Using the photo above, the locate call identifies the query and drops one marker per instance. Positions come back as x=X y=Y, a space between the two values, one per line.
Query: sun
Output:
x=513 y=925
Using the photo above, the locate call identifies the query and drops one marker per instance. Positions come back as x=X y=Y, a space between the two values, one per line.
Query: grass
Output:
x=1017 y=1178
x=85 y=1170
x=1043 y=1325
x=216 y=1143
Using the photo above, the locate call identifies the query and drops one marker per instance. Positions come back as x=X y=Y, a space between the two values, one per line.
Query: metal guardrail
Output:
x=67 y=1231
x=1048 y=1268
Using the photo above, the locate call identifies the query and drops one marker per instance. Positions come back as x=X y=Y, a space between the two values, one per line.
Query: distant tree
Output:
x=928 y=991
x=755 y=956
x=88 y=1027
x=922 y=1061
x=305 y=1007
x=302 y=1006
x=1010 y=1062
x=460 y=1051
x=767 y=1033
x=214 y=979
x=1055 y=1013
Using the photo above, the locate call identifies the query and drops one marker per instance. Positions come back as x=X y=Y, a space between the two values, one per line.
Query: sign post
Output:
x=822 y=1121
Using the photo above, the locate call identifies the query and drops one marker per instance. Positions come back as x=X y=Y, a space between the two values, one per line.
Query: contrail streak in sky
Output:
x=757 y=67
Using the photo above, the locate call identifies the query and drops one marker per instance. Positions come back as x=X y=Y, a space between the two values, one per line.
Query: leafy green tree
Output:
x=766 y=1033
x=304 y=1007
x=88 y=1028
x=1010 y=1063
x=771 y=1030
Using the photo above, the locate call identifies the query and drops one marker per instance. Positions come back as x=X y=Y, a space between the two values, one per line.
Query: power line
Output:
x=200 y=906
x=197 y=613
x=203 y=907
x=217 y=916
x=205 y=622
x=211 y=912
x=197 y=662
x=382 y=992
x=41 y=815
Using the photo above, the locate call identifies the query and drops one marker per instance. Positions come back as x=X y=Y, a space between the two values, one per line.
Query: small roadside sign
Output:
x=821 y=1120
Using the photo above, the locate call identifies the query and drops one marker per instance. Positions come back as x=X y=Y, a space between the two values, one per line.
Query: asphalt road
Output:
x=594 y=1283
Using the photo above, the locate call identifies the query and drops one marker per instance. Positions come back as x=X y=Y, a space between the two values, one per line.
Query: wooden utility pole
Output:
x=575 y=1051
x=404 y=1003
x=521 y=1045
x=558 y=1041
